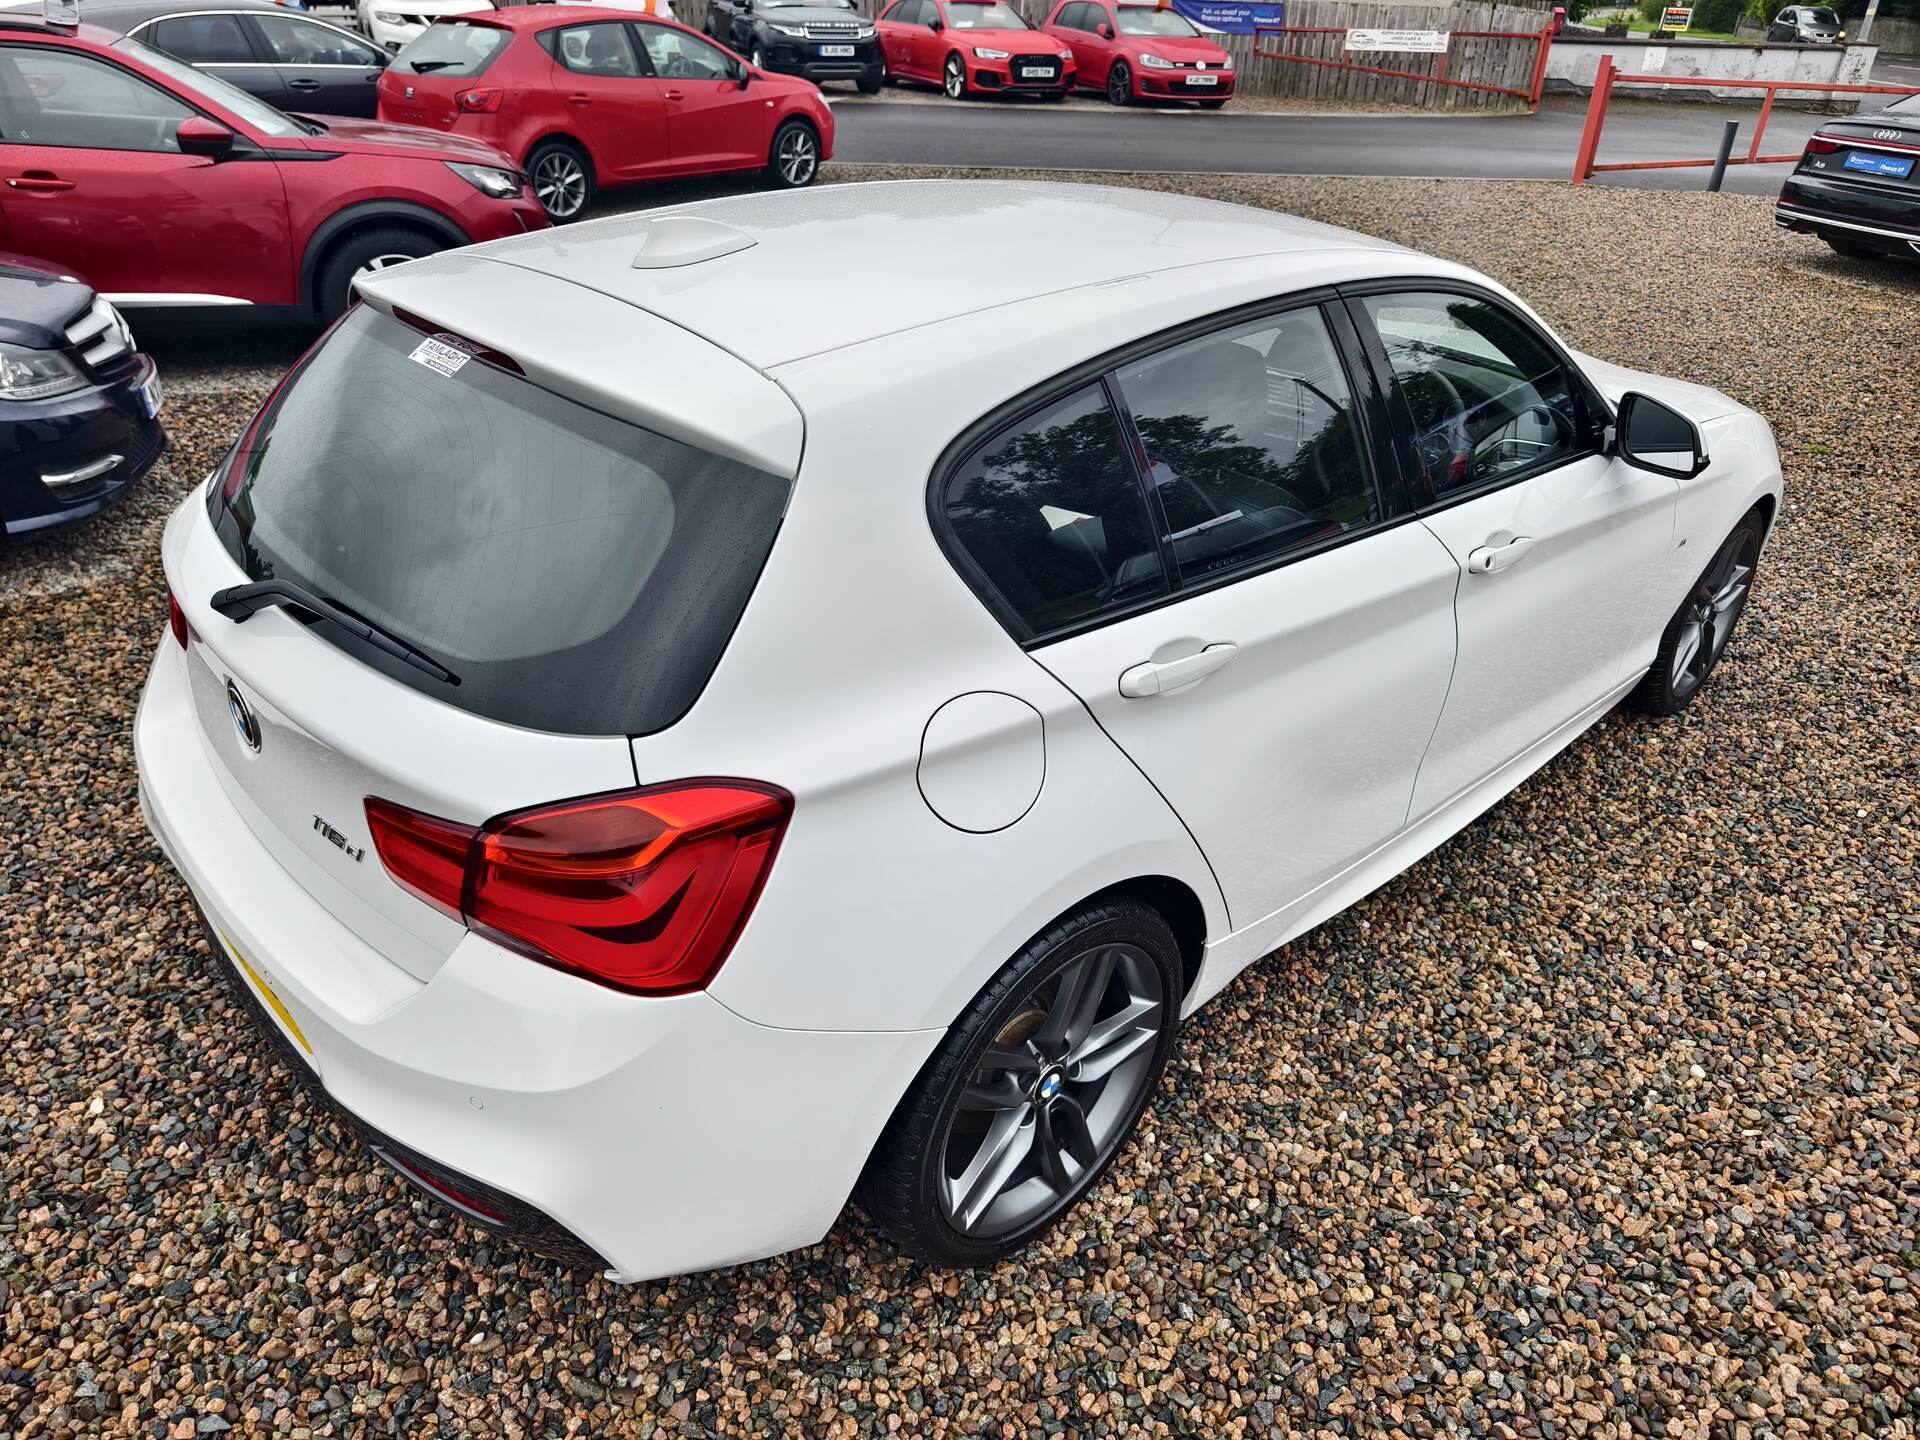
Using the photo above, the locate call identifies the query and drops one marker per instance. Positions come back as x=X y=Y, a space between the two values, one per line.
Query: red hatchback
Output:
x=166 y=186
x=970 y=47
x=1142 y=52
x=587 y=98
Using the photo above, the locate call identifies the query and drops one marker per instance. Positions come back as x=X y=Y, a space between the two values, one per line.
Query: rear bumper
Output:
x=651 y=1136
x=1870 y=214
x=51 y=451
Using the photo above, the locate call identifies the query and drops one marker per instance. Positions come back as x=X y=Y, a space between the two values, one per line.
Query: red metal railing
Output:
x=1585 y=167
x=1541 y=39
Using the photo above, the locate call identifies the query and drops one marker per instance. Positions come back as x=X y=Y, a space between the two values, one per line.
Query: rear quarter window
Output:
x=453 y=47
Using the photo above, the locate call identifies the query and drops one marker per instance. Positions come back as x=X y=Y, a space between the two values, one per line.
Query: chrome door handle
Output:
x=1489 y=558
x=1139 y=682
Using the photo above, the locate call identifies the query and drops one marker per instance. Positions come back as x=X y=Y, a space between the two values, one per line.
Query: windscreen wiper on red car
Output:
x=239 y=603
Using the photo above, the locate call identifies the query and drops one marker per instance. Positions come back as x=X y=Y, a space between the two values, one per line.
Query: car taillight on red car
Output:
x=483 y=100
x=645 y=890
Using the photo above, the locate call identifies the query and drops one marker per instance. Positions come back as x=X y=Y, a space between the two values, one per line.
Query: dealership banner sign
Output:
x=1234 y=17
x=1399 y=42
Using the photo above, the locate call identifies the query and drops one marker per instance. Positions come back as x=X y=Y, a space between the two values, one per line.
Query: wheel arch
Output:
x=344 y=224
x=564 y=137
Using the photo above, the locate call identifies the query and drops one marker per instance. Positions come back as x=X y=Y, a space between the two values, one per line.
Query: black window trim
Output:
x=1378 y=453
x=255 y=23
x=261 y=55
x=1598 y=412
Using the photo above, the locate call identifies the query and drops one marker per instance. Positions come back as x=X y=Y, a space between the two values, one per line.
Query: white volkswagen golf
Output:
x=669 y=747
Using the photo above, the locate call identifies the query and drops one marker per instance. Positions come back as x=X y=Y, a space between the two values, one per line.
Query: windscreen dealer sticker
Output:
x=445 y=353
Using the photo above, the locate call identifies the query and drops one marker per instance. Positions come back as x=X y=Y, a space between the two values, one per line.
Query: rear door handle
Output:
x=1142 y=681
x=303 y=84
x=674 y=95
x=578 y=99
x=39 y=184
x=1489 y=558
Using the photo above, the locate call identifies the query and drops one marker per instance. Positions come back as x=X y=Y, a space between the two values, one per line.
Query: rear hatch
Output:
x=449 y=59
x=1878 y=149
x=575 y=573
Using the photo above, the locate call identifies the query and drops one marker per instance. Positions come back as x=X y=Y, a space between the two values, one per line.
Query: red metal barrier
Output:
x=1540 y=38
x=1585 y=167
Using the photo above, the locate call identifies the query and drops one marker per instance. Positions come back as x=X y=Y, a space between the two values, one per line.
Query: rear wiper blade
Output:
x=239 y=603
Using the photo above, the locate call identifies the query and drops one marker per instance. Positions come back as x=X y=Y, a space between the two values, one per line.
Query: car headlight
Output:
x=1066 y=55
x=982 y=53
x=1226 y=63
x=795 y=30
x=500 y=184
x=36 y=374
x=865 y=32
x=387 y=17
x=1155 y=62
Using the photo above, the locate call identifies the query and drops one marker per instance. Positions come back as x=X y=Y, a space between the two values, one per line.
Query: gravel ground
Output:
x=1600 y=1121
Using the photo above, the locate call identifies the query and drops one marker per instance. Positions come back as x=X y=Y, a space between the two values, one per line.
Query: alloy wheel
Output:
x=1119 y=85
x=376 y=263
x=798 y=156
x=1712 y=611
x=956 y=78
x=759 y=57
x=560 y=183
x=1054 y=1094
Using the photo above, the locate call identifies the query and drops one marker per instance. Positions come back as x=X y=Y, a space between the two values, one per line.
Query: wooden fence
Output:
x=1491 y=62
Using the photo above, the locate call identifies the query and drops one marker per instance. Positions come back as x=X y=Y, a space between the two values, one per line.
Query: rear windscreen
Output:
x=577 y=574
x=451 y=47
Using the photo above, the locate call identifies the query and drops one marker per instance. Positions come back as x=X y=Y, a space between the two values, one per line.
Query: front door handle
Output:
x=1141 y=681
x=1489 y=558
x=39 y=183
x=674 y=95
x=579 y=99
x=303 y=84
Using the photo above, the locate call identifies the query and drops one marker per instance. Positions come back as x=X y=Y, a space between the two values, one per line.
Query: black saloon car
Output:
x=290 y=60
x=818 y=39
x=1856 y=186
x=78 y=404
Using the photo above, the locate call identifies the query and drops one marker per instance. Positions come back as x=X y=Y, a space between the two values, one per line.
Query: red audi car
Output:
x=972 y=47
x=588 y=97
x=1142 y=52
x=166 y=186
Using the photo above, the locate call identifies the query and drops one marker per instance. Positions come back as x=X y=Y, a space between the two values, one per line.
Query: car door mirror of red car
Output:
x=743 y=72
x=198 y=135
x=1105 y=32
x=936 y=25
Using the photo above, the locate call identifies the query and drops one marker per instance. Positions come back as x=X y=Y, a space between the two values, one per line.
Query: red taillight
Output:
x=177 y=620
x=484 y=100
x=645 y=891
x=1817 y=146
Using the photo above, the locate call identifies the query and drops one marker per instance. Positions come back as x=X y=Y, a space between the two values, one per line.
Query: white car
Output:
x=390 y=24
x=669 y=746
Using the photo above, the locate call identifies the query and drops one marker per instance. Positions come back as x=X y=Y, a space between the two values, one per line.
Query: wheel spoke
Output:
x=1063 y=1131
x=1001 y=1093
x=1685 y=651
x=1114 y=1041
x=1006 y=1144
x=1016 y=1058
x=1083 y=985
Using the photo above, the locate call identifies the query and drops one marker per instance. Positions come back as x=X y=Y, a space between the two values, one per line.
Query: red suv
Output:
x=587 y=98
x=165 y=185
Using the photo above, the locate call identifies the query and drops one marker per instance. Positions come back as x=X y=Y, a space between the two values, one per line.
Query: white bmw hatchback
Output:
x=668 y=746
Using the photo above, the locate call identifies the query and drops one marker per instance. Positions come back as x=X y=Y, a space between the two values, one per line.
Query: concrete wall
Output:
x=1895 y=37
x=1571 y=65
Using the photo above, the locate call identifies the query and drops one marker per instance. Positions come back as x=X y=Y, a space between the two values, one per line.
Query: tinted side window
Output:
x=1485 y=397
x=53 y=97
x=1073 y=17
x=598 y=50
x=202 y=39
x=1251 y=441
x=1051 y=512
x=301 y=42
x=677 y=55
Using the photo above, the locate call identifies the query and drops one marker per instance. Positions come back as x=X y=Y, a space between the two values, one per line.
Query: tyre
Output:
x=1033 y=1091
x=562 y=180
x=364 y=253
x=955 y=83
x=759 y=56
x=1852 y=249
x=1697 y=635
x=870 y=84
x=1119 y=85
x=793 y=160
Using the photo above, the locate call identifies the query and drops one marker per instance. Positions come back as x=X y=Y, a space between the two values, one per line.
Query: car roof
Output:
x=539 y=17
x=123 y=15
x=795 y=274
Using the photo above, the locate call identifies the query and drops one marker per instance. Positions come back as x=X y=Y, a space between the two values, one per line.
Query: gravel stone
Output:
x=1601 y=1121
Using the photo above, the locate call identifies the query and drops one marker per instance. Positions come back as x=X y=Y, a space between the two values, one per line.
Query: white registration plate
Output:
x=1036 y=72
x=836 y=52
x=1203 y=79
x=150 y=397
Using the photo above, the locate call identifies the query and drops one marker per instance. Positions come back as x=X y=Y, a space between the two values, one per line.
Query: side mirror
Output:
x=1103 y=30
x=743 y=72
x=200 y=136
x=1656 y=437
x=936 y=25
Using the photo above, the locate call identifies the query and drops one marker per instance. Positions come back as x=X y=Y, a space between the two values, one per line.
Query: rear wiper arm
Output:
x=239 y=602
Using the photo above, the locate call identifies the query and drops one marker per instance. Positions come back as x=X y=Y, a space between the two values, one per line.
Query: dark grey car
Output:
x=290 y=60
x=1806 y=25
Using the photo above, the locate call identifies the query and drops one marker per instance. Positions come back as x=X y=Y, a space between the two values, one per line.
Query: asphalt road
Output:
x=1026 y=135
